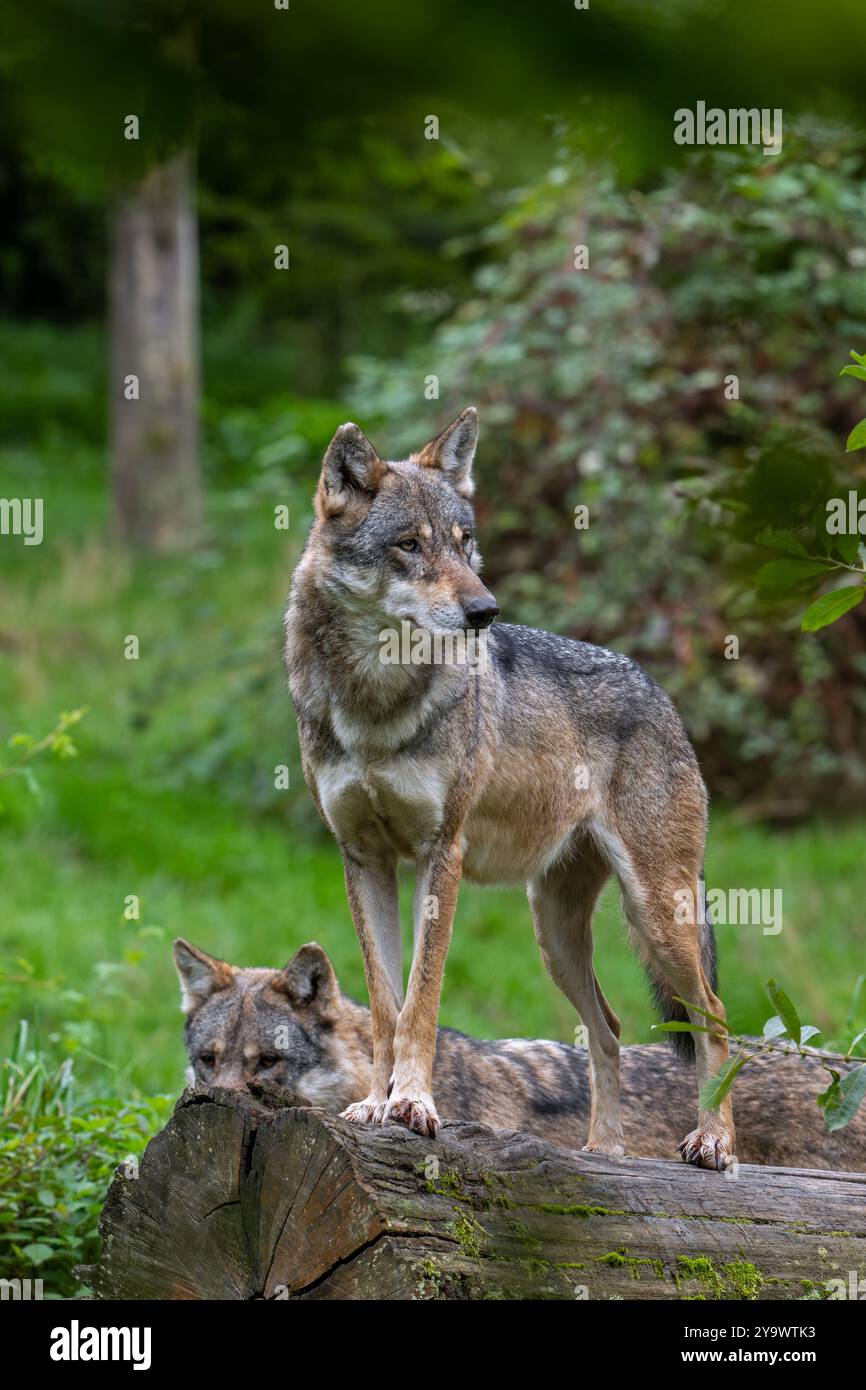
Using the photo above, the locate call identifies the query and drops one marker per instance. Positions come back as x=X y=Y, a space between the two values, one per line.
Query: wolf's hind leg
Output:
x=562 y=901
x=372 y=892
x=665 y=909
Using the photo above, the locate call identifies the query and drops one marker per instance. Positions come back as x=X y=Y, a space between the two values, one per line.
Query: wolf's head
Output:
x=399 y=537
x=292 y=1027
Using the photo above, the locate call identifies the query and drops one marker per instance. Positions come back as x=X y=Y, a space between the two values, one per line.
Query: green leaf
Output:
x=857 y=437
x=829 y=607
x=846 y=547
x=828 y=1097
x=858 y=357
x=37 y=1252
x=781 y=540
x=858 y=371
x=782 y=574
x=842 y=1106
x=785 y=1009
x=679 y=1027
x=713 y=1092
x=774 y=1028
x=696 y=1009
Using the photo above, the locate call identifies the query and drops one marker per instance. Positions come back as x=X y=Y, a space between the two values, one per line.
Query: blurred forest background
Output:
x=408 y=258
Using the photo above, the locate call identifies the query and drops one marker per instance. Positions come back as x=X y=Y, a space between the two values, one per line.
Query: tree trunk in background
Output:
x=154 y=326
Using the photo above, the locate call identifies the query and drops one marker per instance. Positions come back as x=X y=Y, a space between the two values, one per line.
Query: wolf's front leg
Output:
x=372 y=892
x=411 y=1099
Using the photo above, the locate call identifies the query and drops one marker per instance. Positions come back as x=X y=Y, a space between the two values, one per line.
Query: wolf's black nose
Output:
x=480 y=612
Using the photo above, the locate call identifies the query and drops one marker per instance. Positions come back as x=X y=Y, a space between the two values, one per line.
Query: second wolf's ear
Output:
x=453 y=450
x=310 y=982
x=351 y=468
x=200 y=975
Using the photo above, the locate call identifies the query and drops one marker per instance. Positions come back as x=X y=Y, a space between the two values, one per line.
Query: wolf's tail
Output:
x=671 y=1011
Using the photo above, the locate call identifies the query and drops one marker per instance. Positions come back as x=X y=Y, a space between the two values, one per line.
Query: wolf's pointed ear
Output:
x=453 y=450
x=310 y=982
x=201 y=975
x=351 y=467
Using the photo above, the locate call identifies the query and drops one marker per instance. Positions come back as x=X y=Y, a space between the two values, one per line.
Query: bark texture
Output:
x=154 y=331
x=236 y=1201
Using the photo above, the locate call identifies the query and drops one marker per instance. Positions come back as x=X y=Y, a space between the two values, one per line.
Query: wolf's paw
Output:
x=364 y=1112
x=614 y=1148
x=707 y=1150
x=418 y=1115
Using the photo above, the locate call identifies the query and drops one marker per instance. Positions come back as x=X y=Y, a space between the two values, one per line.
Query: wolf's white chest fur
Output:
x=393 y=804
x=396 y=806
x=380 y=802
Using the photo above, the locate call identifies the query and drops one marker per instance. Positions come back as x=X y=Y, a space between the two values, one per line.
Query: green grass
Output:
x=56 y=1162
x=172 y=799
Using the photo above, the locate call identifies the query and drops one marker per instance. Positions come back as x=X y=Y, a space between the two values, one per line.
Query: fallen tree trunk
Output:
x=237 y=1201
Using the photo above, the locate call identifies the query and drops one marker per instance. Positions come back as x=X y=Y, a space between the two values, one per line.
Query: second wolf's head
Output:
x=395 y=542
x=291 y=1027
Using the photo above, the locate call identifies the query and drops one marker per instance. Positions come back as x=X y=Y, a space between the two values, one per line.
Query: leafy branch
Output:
x=843 y=550
x=783 y=1033
x=857 y=437
x=58 y=741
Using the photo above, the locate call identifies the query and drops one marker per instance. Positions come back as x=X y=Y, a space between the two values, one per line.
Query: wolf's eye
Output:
x=267 y=1062
x=467 y=539
x=207 y=1059
x=407 y=545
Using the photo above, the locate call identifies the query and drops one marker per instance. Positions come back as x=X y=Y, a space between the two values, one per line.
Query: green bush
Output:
x=605 y=386
x=56 y=1162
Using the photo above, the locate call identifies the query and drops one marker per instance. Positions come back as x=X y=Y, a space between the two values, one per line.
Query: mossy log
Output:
x=241 y=1201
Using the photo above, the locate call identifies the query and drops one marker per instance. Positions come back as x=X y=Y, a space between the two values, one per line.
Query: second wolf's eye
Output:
x=207 y=1059
x=407 y=545
x=268 y=1061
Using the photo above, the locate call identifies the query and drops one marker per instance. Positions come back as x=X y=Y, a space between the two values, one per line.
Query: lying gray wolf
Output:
x=294 y=1029
x=554 y=763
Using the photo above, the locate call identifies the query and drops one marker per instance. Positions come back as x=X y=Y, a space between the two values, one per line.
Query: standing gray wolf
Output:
x=295 y=1030
x=553 y=762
